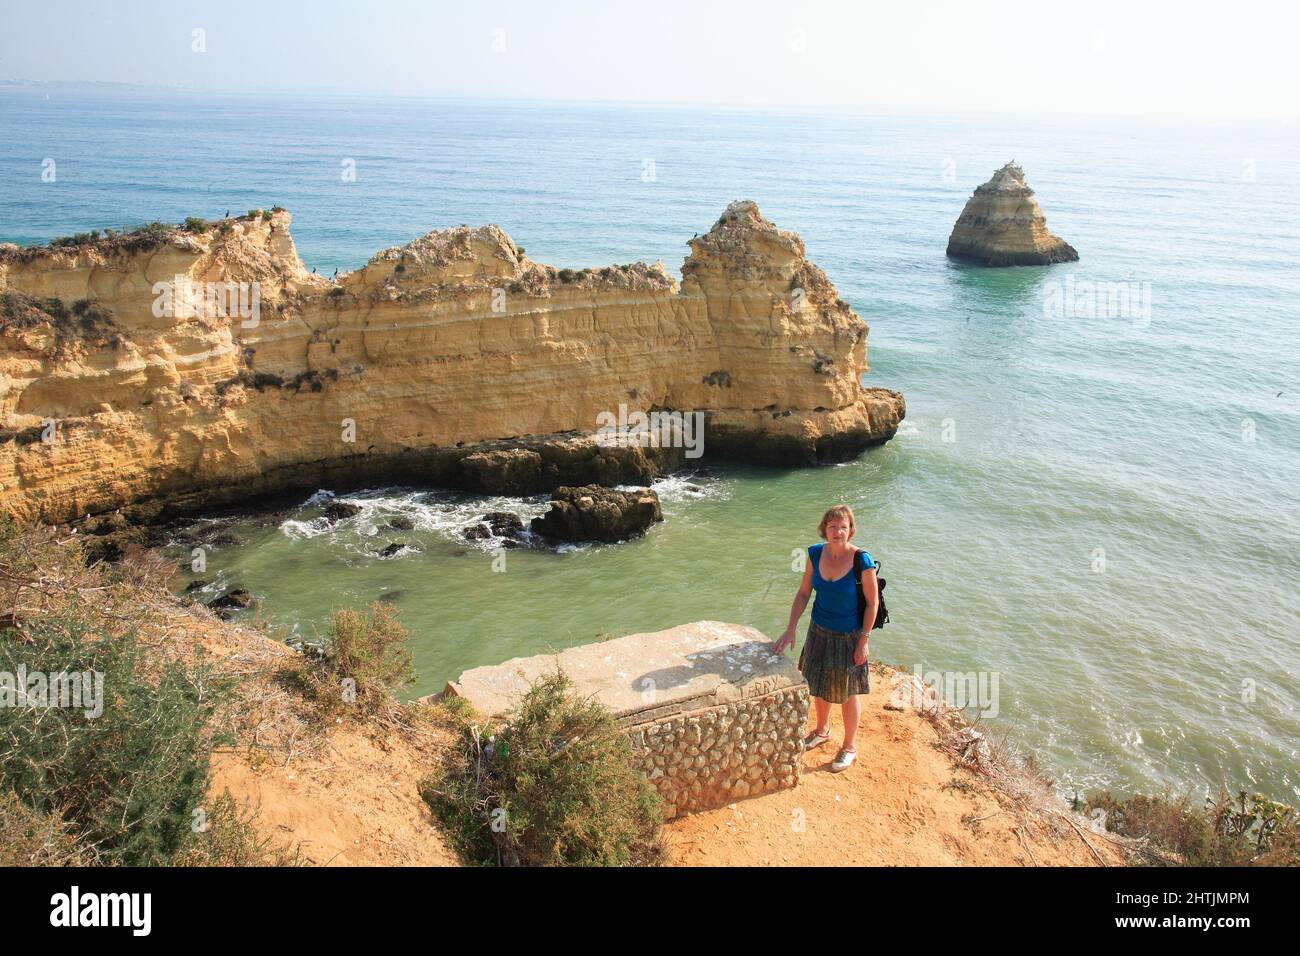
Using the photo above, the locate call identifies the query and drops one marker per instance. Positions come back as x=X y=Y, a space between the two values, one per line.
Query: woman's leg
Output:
x=850 y=709
x=823 y=708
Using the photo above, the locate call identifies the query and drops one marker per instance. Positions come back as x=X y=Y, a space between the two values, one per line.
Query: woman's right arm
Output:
x=796 y=610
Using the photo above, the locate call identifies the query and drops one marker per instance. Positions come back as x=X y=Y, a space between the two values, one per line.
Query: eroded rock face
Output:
x=454 y=360
x=1002 y=225
x=595 y=513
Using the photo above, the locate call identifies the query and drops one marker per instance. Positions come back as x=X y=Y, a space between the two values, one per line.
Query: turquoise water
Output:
x=1103 y=510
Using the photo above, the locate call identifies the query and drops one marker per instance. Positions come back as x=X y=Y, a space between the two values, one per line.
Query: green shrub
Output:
x=1250 y=830
x=557 y=785
x=229 y=838
x=195 y=224
x=28 y=838
x=128 y=779
x=365 y=664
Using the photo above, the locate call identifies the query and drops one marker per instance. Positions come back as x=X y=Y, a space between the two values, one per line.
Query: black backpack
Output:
x=882 y=614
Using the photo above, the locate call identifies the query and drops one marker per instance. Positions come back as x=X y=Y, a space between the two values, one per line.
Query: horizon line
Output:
x=751 y=105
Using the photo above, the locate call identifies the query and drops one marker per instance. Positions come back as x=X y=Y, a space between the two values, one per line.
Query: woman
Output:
x=834 y=657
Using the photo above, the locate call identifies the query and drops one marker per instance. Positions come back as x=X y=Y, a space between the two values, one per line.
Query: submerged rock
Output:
x=1002 y=225
x=593 y=513
x=498 y=524
x=401 y=523
x=235 y=597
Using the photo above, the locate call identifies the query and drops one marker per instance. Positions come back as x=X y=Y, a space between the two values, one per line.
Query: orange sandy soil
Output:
x=350 y=796
x=353 y=804
x=347 y=796
x=902 y=803
x=351 y=799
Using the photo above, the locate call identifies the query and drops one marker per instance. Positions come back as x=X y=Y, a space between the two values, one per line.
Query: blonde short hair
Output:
x=837 y=511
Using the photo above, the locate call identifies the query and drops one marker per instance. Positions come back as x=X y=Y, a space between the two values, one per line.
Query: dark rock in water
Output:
x=500 y=524
x=227 y=539
x=504 y=523
x=336 y=511
x=401 y=523
x=392 y=549
x=595 y=513
x=197 y=585
x=235 y=597
x=390 y=597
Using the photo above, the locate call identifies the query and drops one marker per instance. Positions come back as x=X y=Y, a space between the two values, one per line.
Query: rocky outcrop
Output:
x=1002 y=225
x=593 y=513
x=454 y=360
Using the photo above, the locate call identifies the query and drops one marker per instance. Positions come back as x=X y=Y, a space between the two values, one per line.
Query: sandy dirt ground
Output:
x=903 y=803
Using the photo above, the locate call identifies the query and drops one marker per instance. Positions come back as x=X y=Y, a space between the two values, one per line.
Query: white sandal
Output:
x=843 y=760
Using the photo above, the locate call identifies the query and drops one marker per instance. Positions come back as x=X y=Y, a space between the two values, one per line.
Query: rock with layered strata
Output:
x=1002 y=225
x=454 y=360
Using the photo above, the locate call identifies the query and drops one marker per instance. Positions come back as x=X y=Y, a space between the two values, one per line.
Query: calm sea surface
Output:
x=1101 y=507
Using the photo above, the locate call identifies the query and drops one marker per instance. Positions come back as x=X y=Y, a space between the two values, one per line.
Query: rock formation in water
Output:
x=126 y=380
x=1002 y=225
x=593 y=513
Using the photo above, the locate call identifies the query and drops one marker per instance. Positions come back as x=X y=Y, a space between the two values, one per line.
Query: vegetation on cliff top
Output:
x=121 y=777
x=555 y=785
x=1248 y=830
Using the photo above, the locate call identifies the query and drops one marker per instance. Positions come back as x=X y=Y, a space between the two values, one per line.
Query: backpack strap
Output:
x=857 y=579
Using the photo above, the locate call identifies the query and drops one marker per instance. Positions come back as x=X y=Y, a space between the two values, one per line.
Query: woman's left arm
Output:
x=872 y=591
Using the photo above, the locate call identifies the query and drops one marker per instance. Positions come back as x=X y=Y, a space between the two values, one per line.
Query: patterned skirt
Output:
x=826 y=663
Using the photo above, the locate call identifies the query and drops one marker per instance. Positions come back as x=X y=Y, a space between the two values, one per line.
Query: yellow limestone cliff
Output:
x=454 y=360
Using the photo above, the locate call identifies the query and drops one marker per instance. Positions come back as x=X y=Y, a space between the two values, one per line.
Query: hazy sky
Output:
x=1211 y=59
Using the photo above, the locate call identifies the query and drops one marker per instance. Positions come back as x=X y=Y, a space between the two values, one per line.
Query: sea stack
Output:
x=1002 y=225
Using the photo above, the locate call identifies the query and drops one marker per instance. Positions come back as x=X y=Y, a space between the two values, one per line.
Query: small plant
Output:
x=196 y=224
x=557 y=785
x=365 y=664
x=228 y=837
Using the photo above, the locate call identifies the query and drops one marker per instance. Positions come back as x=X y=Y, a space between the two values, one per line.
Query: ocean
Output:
x=1093 y=500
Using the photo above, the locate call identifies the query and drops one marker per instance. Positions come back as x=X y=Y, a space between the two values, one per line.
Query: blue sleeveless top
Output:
x=836 y=605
